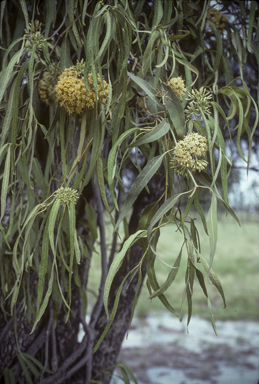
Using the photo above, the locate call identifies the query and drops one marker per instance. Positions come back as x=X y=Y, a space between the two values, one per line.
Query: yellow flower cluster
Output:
x=73 y=94
x=46 y=85
x=189 y=154
x=215 y=16
x=66 y=195
x=178 y=86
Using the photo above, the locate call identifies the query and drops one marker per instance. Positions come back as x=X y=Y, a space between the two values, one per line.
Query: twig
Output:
x=76 y=164
x=54 y=360
x=89 y=349
x=63 y=368
x=61 y=25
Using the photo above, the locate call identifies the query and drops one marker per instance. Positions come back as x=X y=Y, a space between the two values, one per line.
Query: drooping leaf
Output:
x=139 y=183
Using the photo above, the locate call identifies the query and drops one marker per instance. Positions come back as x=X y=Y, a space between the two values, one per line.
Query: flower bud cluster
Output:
x=46 y=85
x=66 y=195
x=33 y=36
x=178 y=86
x=200 y=99
x=140 y=103
x=72 y=92
x=189 y=154
x=215 y=16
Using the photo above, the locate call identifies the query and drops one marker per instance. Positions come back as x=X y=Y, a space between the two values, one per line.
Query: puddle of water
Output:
x=159 y=350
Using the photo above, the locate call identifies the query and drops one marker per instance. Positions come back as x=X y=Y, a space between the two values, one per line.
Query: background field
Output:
x=236 y=263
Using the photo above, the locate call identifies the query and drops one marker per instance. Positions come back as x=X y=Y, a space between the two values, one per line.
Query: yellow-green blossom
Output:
x=178 y=86
x=66 y=195
x=215 y=16
x=200 y=100
x=46 y=85
x=33 y=36
x=189 y=154
x=72 y=92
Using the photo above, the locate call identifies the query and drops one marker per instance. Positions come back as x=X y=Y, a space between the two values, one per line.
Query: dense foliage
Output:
x=118 y=109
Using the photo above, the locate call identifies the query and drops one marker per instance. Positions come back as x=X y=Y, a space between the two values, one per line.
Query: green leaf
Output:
x=139 y=183
x=25 y=12
x=170 y=278
x=203 y=286
x=214 y=279
x=114 y=310
x=45 y=301
x=212 y=225
x=52 y=221
x=159 y=131
x=190 y=273
x=116 y=264
x=7 y=73
x=91 y=220
x=175 y=111
x=5 y=182
x=158 y=13
x=111 y=163
x=65 y=61
x=25 y=370
x=43 y=267
x=106 y=40
x=251 y=24
x=150 y=91
x=167 y=206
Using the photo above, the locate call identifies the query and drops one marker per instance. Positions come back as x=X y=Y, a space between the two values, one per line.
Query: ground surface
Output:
x=160 y=351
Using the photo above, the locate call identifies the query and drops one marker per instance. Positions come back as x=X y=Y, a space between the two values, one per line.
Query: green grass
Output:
x=236 y=263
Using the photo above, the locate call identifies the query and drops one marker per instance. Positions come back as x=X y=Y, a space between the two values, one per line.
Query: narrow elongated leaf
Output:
x=212 y=225
x=46 y=300
x=43 y=267
x=107 y=36
x=150 y=91
x=25 y=370
x=116 y=264
x=152 y=280
x=114 y=310
x=7 y=73
x=214 y=279
x=203 y=286
x=52 y=221
x=175 y=111
x=159 y=131
x=167 y=206
x=111 y=163
x=170 y=278
x=5 y=182
x=190 y=273
x=139 y=183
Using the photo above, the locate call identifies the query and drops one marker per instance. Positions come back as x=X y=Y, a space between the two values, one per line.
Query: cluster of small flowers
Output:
x=73 y=94
x=33 y=36
x=46 y=85
x=66 y=195
x=189 y=154
x=215 y=16
x=178 y=86
x=200 y=99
